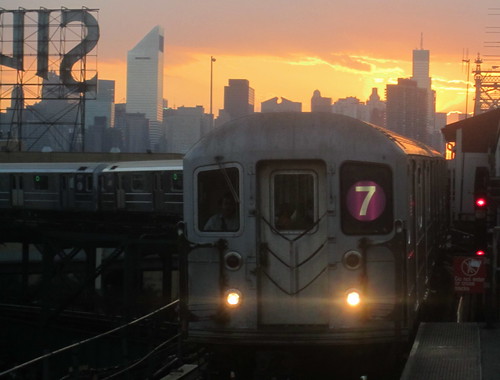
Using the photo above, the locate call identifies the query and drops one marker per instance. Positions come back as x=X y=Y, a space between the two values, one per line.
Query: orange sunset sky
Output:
x=289 y=48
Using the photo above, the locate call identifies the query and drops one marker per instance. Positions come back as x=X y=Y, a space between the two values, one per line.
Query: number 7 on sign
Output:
x=370 y=191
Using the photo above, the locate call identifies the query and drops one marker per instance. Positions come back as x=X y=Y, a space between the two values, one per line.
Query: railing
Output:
x=40 y=364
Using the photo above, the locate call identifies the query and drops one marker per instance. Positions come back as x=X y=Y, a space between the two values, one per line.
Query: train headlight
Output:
x=353 y=297
x=352 y=260
x=233 y=260
x=233 y=298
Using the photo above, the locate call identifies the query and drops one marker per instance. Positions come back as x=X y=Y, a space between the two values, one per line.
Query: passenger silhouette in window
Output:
x=293 y=217
x=284 y=219
x=227 y=219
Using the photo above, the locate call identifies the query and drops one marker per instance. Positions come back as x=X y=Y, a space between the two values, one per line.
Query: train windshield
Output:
x=218 y=201
x=366 y=198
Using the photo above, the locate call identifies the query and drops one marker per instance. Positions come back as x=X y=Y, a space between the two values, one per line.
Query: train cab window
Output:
x=41 y=182
x=366 y=198
x=218 y=199
x=293 y=204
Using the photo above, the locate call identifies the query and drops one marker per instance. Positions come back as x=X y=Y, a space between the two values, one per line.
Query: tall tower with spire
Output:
x=421 y=64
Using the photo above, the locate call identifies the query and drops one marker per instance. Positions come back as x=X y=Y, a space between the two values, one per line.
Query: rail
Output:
x=107 y=333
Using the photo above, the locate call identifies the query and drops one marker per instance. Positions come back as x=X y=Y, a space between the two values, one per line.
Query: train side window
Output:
x=4 y=182
x=41 y=182
x=218 y=199
x=138 y=184
x=89 y=183
x=107 y=182
x=81 y=183
x=293 y=208
x=366 y=198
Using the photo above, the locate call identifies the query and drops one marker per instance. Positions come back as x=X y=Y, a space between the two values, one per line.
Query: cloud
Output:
x=352 y=64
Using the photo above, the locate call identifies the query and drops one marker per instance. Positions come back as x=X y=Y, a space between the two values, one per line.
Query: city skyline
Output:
x=290 y=49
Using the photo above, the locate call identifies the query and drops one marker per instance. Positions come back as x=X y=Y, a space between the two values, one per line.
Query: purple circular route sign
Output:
x=365 y=200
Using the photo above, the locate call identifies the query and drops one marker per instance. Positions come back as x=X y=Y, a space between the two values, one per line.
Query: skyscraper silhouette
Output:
x=319 y=103
x=145 y=81
x=239 y=98
x=421 y=64
x=407 y=109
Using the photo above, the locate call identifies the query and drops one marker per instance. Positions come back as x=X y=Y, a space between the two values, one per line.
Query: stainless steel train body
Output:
x=142 y=186
x=350 y=263
x=150 y=187
x=49 y=186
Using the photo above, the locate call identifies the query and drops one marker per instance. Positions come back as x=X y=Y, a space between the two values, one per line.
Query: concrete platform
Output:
x=443 y=351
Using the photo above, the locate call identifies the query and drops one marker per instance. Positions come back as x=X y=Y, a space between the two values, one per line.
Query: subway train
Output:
x=309 y=229
x=95 y=189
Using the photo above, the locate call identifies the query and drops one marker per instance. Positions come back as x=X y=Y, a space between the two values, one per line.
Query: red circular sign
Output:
x=366 y=200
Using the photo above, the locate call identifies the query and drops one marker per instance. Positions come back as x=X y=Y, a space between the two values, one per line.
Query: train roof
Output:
x=306 y=135
x=50 y=167
x=143 y=166
x=90 y=167
x=479 y=133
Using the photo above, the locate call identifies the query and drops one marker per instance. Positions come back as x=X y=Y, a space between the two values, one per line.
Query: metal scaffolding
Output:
x=48 y=68
x=487 y=83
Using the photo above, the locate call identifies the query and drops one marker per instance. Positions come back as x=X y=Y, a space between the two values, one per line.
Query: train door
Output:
x=120 y=191
x=293 y=261
x=17 y=182
x=419 y=227
x=107 y=199
x=411 y=263
x=5 y=189
x=159 y=189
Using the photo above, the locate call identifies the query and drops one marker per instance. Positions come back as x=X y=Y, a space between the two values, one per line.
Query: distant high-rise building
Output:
x=185 y=126
x=421 y=68
x=421 y=64
x=239 y=98
x=145 y=81
x=102 y=105
x=64 y=133
x=406 y=111
x=351 y=106
x=437 y=138
x=376 y=108
x=136 y=133
x=285 y=105
x=319 y=103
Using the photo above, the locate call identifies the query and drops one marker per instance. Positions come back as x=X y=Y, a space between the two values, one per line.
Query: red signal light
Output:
x=480 y=252
x=481 y=202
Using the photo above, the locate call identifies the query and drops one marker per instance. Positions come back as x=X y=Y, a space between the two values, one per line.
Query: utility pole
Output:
x=212 y=60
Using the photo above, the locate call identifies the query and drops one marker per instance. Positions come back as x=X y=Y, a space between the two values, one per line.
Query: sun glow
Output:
x=295 y=77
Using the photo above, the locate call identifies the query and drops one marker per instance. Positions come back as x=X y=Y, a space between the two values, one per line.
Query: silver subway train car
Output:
x=309 y=229
x=104 y=190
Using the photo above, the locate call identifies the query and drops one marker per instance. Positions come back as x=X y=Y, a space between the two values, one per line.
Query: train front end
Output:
x=297 y=235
